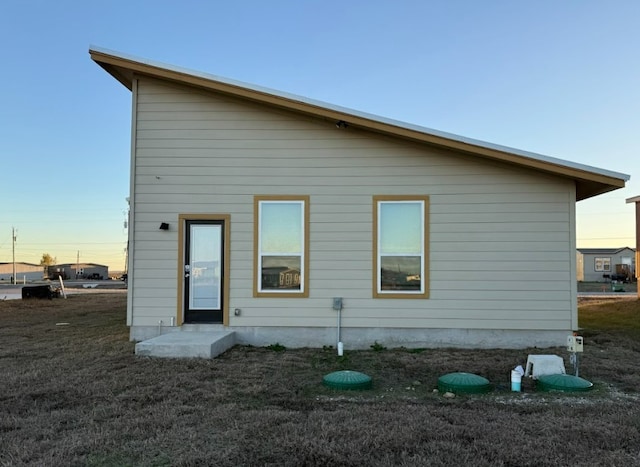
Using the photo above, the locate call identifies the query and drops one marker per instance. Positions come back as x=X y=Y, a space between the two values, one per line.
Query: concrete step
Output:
x=191 y=344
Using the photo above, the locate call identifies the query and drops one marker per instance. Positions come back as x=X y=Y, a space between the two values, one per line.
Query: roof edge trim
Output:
x=112 y=61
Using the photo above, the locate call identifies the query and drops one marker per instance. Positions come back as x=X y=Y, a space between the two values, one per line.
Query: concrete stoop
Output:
x=189 y=344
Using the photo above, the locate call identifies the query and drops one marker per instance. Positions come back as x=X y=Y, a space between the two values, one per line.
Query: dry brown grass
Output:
x=76 y=395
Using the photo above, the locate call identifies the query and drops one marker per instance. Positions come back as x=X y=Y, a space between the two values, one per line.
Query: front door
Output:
x=203 y=271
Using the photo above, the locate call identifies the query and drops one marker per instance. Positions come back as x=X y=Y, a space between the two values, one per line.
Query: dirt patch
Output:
x=75 y=394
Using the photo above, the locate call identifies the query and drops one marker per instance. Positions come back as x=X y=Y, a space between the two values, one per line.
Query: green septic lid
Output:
x=566 y=383
x=463 y=383
x=347 y=379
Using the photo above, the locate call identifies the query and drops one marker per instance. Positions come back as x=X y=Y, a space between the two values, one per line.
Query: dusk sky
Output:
x=555 y=78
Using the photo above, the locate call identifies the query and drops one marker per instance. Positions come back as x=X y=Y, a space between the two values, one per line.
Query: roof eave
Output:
x=589 y=180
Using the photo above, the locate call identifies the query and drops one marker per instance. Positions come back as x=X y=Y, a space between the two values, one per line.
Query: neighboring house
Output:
x=75 y=271
x=604 y=264
x=430 y=239
x=636 y=200
x=25 y=272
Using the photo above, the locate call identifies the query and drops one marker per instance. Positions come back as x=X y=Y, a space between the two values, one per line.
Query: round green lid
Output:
x=562 y=382
x=347 y=379
x=463 y=383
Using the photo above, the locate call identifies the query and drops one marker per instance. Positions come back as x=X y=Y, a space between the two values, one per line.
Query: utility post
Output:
x=13 y=249
x=636 y=200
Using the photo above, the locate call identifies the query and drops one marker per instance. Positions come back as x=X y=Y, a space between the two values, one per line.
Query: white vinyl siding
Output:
x=500 y=246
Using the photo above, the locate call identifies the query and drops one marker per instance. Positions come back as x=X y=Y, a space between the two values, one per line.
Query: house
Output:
x=25 y=272
x=605 y=264
x=424 y=238
x=76 y=271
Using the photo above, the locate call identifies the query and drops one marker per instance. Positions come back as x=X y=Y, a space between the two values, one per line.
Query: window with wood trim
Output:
x=401 y=252
x=281 y=246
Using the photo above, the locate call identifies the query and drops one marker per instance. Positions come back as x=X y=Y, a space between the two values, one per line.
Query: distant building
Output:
x=25 y=272
x=605 y=264
x=74 y=271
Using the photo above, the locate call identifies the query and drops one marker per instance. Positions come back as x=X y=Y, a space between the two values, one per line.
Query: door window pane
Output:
x=205 y=262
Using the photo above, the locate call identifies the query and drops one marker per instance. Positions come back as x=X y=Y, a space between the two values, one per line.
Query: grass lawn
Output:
x=75 y=394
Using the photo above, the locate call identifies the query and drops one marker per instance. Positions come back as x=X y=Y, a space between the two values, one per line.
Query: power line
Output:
x=605 y=238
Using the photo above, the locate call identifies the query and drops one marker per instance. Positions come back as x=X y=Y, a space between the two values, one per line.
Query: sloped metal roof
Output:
x=590 y=181
x=603 y=251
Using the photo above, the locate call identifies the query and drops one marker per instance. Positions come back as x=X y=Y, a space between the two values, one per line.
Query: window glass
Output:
x=400 y=249
x=400 y=227
x=281 y=246
x=281 y=227
x=401 y=273
x=603 y=264
x=278 y=272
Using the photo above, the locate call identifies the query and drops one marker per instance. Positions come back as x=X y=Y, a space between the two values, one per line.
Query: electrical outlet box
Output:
x=337 y=303
x=575 y=344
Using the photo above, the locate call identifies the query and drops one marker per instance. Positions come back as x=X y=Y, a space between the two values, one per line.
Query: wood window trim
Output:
x=426 y=228
x=256 y=250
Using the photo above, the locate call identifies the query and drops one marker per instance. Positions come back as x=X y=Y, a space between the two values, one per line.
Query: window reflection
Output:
x=281 y=246
x=400 y=247
x=400 y=273
x=281 y=272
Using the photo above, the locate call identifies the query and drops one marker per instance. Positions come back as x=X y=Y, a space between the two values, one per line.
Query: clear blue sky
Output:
x=561 y=78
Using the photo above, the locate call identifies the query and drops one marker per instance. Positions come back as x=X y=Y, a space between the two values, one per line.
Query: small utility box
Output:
x=575 y=344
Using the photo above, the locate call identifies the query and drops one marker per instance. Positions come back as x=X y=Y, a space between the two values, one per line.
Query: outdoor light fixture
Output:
x=341 y=124
x=164 y=226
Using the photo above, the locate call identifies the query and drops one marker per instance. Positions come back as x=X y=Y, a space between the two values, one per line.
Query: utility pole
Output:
x=78 y=265
x=13 y=248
